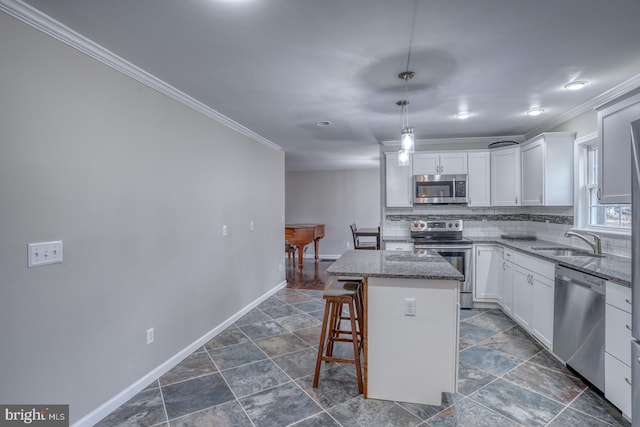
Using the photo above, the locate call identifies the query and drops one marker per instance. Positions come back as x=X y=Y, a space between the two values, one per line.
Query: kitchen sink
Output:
x=565 y=252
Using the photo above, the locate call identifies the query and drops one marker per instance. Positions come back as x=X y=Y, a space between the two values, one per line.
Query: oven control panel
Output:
x=436 y=225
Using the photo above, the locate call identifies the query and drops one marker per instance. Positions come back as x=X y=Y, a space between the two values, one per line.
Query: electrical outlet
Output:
x=279 y=267
x=250 y=225
x=409 y=306
x=44 y=253
x=149 y=335
x=224 y=230
x=347 y=244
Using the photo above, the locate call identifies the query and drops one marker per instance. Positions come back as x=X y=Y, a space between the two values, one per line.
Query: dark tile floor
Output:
x=258 y=372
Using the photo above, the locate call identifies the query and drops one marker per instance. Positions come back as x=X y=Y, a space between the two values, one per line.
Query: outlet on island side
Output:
x=149 y=335
x=409 y=306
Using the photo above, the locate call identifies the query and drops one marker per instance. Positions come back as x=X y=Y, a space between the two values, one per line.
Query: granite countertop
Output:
x=610 y=267
x=398 y=264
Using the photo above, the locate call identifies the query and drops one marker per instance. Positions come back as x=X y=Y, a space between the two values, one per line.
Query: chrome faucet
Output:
x=596 y=245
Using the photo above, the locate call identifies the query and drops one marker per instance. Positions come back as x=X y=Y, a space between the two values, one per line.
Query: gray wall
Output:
x=582 y=125
x=337 y=199
x=138 y=187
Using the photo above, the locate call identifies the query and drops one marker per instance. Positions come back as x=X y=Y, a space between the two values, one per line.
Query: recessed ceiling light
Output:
x=463 y=115
x=535 y=111
x=576 y=85
x=323 y=123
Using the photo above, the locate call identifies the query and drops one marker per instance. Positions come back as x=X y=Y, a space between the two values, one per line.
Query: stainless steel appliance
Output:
x=445 y=238
x=440 y=189
x=635 y=273
x=578 y=324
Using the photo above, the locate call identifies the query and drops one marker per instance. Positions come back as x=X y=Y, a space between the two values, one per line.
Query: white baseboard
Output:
x=118 y=400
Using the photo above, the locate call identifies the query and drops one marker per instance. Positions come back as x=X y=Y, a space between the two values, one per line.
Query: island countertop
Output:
x=394 y=264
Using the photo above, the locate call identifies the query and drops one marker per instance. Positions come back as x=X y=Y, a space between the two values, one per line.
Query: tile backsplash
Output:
x=548 y=224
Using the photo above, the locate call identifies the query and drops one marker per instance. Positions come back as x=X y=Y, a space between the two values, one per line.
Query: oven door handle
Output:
x=441 y=247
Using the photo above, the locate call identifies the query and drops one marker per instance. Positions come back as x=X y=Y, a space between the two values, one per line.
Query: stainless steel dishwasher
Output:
x=578 y=324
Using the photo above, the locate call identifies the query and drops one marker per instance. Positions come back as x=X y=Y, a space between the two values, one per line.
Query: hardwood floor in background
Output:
x=312 y=276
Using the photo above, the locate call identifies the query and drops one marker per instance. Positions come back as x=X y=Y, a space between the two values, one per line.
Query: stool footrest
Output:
x=338 y=359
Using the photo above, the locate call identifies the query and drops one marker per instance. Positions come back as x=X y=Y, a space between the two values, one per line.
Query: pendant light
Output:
x=407 y=137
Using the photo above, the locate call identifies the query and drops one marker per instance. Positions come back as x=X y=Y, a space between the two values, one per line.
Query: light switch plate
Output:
x=44 y=253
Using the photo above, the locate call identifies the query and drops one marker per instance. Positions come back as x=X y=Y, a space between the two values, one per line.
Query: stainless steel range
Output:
x=445 y=238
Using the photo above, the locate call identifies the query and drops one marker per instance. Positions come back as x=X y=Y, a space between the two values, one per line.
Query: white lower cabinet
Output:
x=522 y=296
x=617 y=383
x=542 y=314
x=505 y=287
x=617 y=356
x=487 y=264
x=534 y=286
x=398 y=246
x=527 y=293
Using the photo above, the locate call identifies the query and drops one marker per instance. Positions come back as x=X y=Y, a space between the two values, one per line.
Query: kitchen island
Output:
x=410 y=332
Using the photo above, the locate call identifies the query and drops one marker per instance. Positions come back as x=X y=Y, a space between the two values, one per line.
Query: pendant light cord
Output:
x=406 y=78
x=413 y=30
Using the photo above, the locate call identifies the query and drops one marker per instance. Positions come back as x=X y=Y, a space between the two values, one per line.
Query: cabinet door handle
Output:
x=628 y=301
x=541 y=199
x=627 y=381
x=598 y=194
x=516 y=200
x=628 y=327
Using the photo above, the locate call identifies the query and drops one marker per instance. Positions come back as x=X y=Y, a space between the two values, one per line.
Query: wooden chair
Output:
x=290 y=250
x=357 y=244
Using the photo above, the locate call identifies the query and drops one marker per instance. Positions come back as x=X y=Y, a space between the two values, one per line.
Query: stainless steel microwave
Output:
x=440 y=189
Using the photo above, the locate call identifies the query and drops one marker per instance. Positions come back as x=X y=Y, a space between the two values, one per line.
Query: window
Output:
x=595 y=215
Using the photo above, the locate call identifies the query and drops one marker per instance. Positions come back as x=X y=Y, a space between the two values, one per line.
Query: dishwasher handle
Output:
x=567 y=275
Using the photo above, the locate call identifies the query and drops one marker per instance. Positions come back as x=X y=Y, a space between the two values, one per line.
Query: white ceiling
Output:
x=279 y=66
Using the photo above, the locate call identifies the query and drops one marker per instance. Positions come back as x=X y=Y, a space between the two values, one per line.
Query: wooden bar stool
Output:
x=336 y=297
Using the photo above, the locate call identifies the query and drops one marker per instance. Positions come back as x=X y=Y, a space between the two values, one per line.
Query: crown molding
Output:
x=465 y=140
x=614 y=94
x=57 y=30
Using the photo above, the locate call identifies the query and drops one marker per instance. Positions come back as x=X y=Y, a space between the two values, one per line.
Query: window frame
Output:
x=582 y=188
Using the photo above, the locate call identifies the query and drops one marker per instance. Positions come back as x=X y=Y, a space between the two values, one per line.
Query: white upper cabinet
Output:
x=479 y=178
x=505 y=177
x=614 y=132
x=547 y=170
x=426 y=164
x=440 y=163
x=398 y=182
